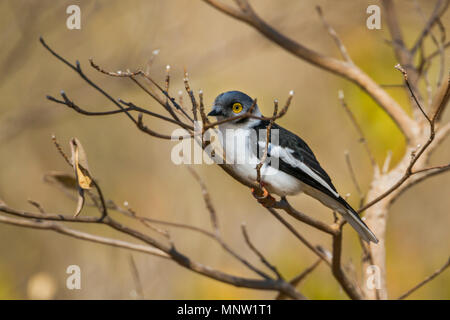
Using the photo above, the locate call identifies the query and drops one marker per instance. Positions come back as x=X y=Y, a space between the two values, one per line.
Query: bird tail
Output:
x=352 y=217
x=341 y=206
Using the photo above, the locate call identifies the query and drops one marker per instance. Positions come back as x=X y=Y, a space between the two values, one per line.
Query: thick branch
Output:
x=416 y=154
x=161 y=249
x=338 y=67
x=349 y=288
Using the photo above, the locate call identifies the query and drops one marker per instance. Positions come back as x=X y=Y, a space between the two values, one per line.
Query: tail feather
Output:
x=341 y=206
x=352 y=217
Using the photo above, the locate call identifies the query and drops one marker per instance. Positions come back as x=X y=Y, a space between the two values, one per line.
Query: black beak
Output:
x=215 y=112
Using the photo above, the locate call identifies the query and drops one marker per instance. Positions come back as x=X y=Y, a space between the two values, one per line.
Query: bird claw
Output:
x=265 y=199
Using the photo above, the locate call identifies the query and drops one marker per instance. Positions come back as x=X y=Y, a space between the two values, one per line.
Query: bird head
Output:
x=233 y=104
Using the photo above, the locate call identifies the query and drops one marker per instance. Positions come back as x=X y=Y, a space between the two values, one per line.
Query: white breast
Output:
x=243 y=160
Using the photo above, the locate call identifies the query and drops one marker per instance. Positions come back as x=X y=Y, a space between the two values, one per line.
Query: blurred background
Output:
x=220 y=54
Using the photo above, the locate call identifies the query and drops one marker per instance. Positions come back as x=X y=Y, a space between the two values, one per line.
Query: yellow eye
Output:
x=237 y=107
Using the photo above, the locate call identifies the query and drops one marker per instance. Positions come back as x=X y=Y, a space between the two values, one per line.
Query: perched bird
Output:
x=292 y=168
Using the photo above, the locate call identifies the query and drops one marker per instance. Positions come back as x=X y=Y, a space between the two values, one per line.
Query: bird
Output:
x=290 y=168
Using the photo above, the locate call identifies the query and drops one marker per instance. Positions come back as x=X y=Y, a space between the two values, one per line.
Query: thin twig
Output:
x=207 y=200
x=415 y=155
x=191 y=95
x=405 y=75
x=300 y=278
x=34 y=224
x=353 y=176
x=60 y=150
x=258 y=253
x=298 y=235
x=425 y=281
x=37 y=205
x=266 y=148
x=205 y=119
x=335 y=36
x=136 y=278
x=435 y=15
x=358 y=128
x=249 y=114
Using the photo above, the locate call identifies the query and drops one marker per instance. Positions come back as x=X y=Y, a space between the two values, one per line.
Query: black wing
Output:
x=300 y=151
x=298 y=160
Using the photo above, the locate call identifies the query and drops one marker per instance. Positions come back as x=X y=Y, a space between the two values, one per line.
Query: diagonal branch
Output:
x=335 y=36
x=358 y=128
x=286 y=206
x=258 y=253
x=350 y=72
x=36 y=224
x=415 y=155
x=425 y=281
x=403 y=55
x=438 y=11
x=45 y=222
x=302 y=239
x=300 y=278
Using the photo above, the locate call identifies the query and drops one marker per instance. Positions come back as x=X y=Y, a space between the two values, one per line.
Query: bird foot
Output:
x=265 y=198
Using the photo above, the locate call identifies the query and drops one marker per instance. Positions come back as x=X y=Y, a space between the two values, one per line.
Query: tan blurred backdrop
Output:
x=220 y=54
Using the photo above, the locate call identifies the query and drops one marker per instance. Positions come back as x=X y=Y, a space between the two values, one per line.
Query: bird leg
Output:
x=263 y=196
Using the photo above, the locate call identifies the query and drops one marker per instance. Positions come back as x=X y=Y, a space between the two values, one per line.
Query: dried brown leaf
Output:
x=82 y=174
x=80 y=164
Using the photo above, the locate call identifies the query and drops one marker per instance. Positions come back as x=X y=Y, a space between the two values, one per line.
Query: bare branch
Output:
x=436 y=53
x=214 y=222
x=229 y=10
x=335 y=36
x=34 y=224
x=300 y=277
x=439 y=45
x=425 y=281
x=202 y=109
x=37 y=205
x=440 y=99
x=133 y=75
x=387 y=162
x=419 y=176
x=404 y=56
x=191 y=95
x=405 y=75
x=258 y=253
x=161 y=249
x=60 y=150
x=438 y=11
x=266 y=148
x=358 y=128
x=347 y=285
x=249 y=114
x=415 y=155
x=298 y=235
x=284 y=205
x=136 y=278
x=341 y=68
x=207 y=200
x=132 y=214
x=353 y=177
